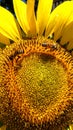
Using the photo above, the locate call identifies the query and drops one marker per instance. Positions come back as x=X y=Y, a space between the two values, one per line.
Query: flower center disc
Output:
x=38 y=77
x=42 y=79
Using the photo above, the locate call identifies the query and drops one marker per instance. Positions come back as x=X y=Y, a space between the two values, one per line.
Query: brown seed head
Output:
x=36 y=79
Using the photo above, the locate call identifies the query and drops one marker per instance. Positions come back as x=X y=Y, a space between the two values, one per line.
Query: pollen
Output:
x=36 y=77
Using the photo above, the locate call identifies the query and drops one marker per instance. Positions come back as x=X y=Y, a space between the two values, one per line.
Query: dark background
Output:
x=8 y=4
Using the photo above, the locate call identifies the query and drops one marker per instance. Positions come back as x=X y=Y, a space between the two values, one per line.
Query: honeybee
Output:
x=51 y=45
x=16 y=53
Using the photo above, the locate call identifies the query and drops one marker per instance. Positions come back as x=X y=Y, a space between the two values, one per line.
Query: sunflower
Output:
x=36 y=71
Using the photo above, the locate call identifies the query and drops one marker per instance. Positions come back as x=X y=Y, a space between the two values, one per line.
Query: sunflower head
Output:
x=36 y=73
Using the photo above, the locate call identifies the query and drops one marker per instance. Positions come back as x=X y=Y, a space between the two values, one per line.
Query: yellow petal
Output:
x=58 y=19
x=67 y=33
x=20 y=10
x=3 y=127
x=31 y=17
x=8 y=24
x=43 y=12
x=71 y=126
x=72 y=53
x=4 y=39
x=70 y=45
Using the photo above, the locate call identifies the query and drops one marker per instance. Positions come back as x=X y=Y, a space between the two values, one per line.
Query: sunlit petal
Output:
x=43 y=12
x=31 y=16
x=58 y=19
x=4 y=39
x=8 y=25
x=20 y=10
